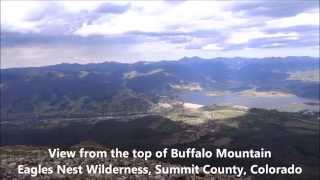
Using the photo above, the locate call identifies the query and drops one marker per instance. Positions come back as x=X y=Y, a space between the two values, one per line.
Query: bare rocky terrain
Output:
x=12 y=156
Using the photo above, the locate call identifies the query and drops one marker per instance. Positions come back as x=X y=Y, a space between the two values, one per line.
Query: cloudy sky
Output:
x=37 y=33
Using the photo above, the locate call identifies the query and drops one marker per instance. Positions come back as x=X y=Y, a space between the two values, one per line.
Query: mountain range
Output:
x=110 y=87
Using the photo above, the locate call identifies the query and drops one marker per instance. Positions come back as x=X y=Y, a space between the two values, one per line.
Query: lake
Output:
x=290 y=103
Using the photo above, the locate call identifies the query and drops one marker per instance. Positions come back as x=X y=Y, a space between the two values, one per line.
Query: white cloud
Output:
x=77 y=6
x=15 y=13
x=16 y=16
x=38 y=31
x=213 y=47
x=157 y=16
x=250 y=34
x=272 y=45
x=305 y=18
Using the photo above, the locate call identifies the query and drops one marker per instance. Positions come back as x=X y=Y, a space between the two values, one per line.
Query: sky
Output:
x=39 y=33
